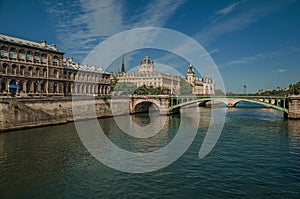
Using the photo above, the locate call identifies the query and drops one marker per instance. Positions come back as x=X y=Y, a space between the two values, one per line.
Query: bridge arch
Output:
x=232 y=102
x=146 y=107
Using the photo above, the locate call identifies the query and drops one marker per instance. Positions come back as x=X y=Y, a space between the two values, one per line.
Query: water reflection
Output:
x=128 y=142
x=258 y=154
x=294 y=128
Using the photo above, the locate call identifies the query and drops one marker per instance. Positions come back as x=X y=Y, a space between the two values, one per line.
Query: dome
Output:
x=147 y=60
x=146 y=65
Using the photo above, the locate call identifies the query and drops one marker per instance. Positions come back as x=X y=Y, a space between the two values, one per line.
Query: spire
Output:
x=123 y=65
x=191 y=70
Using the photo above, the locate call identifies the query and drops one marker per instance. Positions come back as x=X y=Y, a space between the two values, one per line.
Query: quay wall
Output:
x=20 y=113
x=294 y=107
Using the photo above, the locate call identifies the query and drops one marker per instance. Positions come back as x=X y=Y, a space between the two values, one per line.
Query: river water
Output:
x=257 y=156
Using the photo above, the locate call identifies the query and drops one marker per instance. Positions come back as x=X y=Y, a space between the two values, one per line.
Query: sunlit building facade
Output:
x=148 y=76
x=201 y=86
x=30 y=68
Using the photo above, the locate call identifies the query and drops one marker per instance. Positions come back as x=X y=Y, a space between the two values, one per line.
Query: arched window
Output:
x=37 y=72
x=13 y=53
x=45 y=73
x=43 y=88
x=21 y=54
x=29 y=71
x=22 y=69
x=28 y=87
x=36 y=86
x=55 y=73
x=55 y=61
x=44 y=59
x=55 y=87
x=3 y=52
x=13 y=69
x=20 y=87
x=3 y=87
x=4 y=68
x=29 y=56
x=36 y=57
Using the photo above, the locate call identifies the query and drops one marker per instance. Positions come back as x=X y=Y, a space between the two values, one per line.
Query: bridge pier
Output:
x=294 y=107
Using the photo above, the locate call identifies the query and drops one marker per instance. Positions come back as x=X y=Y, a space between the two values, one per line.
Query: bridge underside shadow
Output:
x=145 y=107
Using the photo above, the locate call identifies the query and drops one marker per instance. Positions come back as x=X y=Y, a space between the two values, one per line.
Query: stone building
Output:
x=148 y=76
x=201 y=86
x=29 y=68
x=88 y=80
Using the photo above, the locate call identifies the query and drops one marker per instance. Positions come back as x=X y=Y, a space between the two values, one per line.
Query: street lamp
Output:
x=245 y=89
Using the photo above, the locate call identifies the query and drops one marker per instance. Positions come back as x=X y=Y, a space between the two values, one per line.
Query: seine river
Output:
x=257 y=156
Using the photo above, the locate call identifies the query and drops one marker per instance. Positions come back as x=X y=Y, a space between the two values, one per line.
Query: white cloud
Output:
x=250 y=59
x=279 y=70
x=82 y=24
x=156 y=13
x=229 y=9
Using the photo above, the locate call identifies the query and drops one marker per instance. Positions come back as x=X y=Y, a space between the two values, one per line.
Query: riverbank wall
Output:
x=20 y=113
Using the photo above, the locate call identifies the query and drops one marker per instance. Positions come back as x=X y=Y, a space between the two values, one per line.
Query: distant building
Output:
x=147 y=75
x=36 y=69
x=201 y=86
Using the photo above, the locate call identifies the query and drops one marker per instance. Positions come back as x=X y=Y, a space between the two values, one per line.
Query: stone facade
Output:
x=294 y=107
x=19 y=113
x=201 y=86
x=148 y=76
x=29 y=68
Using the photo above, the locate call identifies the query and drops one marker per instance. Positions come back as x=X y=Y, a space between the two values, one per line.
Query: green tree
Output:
x=219 y=92
x=294 y=89
x=125 y=86
x=113 y=83
x=150 y=90
x=185 y=87
x=142 y=90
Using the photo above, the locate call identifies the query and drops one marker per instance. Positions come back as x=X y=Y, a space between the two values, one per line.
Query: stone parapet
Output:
x=294 y=107
x=28 y=113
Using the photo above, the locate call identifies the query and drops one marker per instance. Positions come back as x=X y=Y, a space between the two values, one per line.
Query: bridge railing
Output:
x=279 y=101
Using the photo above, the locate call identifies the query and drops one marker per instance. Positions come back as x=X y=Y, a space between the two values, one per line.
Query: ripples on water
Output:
x=257 y=156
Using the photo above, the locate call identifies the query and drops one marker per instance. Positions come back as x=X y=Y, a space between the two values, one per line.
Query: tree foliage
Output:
x=185 y=87
x=150 y=90
x=125 y=86
x=219 y=92
x=294 y=89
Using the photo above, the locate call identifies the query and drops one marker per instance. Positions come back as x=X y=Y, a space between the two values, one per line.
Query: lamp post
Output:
x=245 y=89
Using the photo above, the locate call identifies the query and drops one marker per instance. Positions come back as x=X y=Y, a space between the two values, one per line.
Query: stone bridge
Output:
x=167 y=105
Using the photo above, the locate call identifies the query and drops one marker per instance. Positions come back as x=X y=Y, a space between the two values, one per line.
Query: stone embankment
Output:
x=20 y=113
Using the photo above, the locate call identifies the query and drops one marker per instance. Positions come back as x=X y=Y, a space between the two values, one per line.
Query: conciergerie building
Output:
x=149 y=76
x=30 y=68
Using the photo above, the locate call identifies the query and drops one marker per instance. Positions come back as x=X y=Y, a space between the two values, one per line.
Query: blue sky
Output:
x=253 y=43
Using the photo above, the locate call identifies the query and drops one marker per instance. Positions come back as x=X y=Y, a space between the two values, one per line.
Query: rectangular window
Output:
x=3 y=53
x=43 y=59
x=29 y=57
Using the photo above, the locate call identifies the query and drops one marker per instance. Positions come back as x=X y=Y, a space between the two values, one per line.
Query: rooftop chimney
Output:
x=44 y=43
x=53 y=46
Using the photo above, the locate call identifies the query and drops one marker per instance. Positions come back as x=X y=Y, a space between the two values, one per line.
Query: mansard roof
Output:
x=27 y=43
x=84 y=68
x=147 y=60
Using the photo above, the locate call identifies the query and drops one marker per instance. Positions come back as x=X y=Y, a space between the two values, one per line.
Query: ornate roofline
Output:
x=31 y=44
